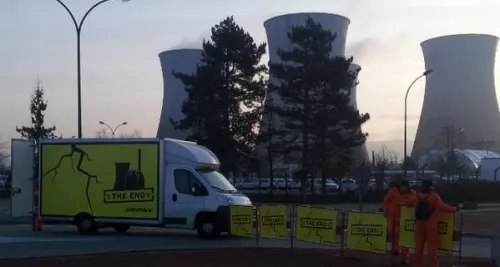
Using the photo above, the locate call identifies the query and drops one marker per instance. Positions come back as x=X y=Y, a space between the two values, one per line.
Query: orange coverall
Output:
x=405 y=198
x=428 y=231
x=390 y=206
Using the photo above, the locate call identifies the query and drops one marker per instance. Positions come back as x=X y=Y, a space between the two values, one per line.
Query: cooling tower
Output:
x=174 y=94
x=460 y=92
x=360 y=153
x=277 y=29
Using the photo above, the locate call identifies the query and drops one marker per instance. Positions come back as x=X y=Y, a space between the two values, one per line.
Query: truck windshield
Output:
x=217 y=181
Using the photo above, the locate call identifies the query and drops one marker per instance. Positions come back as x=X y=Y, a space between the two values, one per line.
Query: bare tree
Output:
x=449 y=139
x=4 y=155
x=135 y=134
x=384 y=159
x=104 y=133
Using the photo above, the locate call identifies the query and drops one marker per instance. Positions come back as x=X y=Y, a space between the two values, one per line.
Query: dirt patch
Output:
x=248 y=257
x=482 y=222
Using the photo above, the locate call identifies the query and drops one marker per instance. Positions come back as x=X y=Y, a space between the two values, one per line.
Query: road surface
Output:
x=18 y=241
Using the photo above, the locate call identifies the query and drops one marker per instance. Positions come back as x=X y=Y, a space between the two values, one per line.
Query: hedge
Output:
x=451 y=192
x=461 y=191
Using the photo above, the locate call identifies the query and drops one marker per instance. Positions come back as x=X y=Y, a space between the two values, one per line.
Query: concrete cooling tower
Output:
x=460 y=92
x=174 y=94
x=277 y=29
x=360 y=153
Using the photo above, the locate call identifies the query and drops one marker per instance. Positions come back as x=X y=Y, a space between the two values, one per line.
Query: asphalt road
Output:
x=18 y=241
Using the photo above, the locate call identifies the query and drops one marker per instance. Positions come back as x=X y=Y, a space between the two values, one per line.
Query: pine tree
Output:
x=38 y=106
x=225 y=94
x=314 y=86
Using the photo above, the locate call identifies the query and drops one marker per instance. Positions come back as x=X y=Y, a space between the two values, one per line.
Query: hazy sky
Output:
x=121 y=73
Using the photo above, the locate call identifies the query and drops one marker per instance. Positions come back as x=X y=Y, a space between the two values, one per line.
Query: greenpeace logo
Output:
x=138 y=210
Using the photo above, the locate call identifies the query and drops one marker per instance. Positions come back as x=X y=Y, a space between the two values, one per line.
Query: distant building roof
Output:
x=471 y=157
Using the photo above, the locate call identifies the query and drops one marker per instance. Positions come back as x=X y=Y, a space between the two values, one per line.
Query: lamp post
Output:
x=426 y=73
x=111 y=129
x=78 y=28
x=451 y=136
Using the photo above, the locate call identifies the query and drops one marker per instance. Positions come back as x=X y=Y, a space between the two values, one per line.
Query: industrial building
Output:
x=174 y=94
x=459 y=94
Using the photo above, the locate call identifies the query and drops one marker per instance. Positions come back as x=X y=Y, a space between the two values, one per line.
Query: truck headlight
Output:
x=225 y=200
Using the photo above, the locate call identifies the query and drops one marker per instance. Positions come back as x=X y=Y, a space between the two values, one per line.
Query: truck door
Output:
x=181 y=205
x=22 y=154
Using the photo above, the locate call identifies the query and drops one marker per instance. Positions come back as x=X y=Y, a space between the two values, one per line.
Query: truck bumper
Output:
x=223 y=218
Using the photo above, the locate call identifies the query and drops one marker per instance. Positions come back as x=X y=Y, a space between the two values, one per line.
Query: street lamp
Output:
x=426 y=73
x=78 y=27
x=111 y=129
x=451 y=134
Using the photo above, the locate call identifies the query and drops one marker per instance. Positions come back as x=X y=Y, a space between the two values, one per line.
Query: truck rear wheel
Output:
x=207 y=228
x=86 y=225
x=121 y=228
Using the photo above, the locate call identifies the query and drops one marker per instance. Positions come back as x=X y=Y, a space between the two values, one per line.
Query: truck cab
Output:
x=196 y=195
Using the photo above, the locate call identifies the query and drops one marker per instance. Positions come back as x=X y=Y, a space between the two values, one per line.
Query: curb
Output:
x=472 y=235
x=14 y=222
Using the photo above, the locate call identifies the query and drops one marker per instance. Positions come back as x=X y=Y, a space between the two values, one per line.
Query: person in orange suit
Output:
x=427 y=205
x=407 y=196
x=390 y=205
x=397 y=196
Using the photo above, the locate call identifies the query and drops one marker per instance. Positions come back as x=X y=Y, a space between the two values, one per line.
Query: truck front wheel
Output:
x=207 y=228
x=86 y=225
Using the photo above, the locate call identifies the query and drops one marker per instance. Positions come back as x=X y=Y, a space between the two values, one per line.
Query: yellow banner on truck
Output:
x=366 y=232
x=316 y=225
x=407 y=224
x=273 y=222
x=105 y=179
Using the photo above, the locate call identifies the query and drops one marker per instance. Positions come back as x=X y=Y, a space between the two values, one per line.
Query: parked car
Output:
x=372 y=184
x=265 y=184
x=282 y=184
x=330 y=185
x=349 y=185
x=250 y=185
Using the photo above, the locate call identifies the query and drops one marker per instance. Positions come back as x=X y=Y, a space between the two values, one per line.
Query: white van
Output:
x=95 y=183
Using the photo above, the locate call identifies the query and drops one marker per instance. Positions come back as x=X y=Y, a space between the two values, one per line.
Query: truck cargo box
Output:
x=110 y=179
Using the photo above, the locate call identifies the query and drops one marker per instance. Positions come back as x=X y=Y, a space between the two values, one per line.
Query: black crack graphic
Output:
x=273 y=224
x=81 y=156
x=240 y=225
x=364 y=238
x=314 y=230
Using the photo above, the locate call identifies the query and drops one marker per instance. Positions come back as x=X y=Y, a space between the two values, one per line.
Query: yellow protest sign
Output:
x=366 y=232
x=407 y=226
x=272 y=222
x=241 y=221
x=446 y=228
x=316 y=225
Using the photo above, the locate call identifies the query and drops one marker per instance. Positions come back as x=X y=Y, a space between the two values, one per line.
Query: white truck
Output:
x=96 y=183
